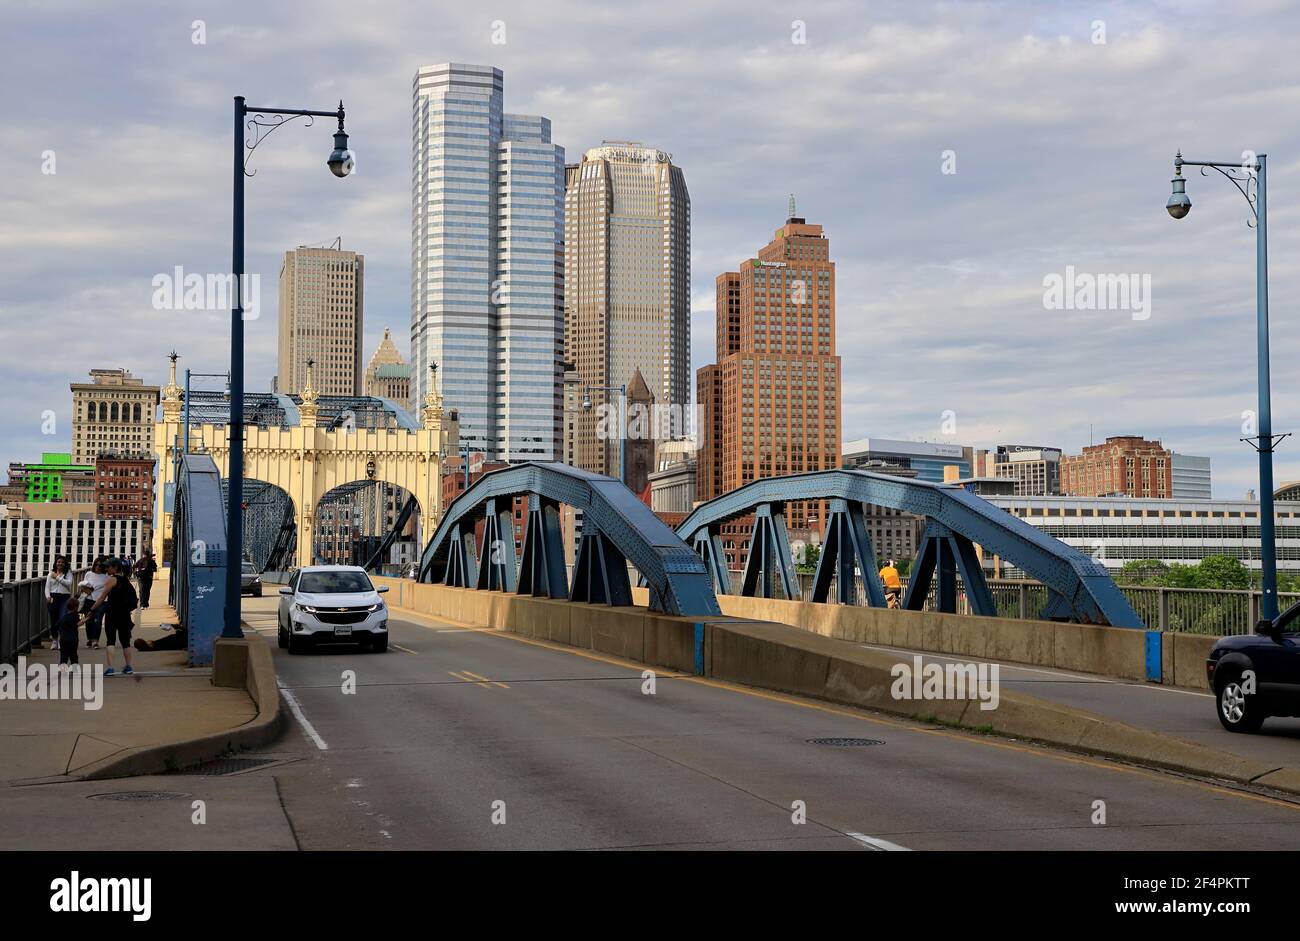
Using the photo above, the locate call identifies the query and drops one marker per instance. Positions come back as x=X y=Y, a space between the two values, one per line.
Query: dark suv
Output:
x=1257 y=675
x=250 y=581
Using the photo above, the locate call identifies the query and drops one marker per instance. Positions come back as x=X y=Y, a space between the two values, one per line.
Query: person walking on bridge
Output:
x=893 y=584
x=144 y=572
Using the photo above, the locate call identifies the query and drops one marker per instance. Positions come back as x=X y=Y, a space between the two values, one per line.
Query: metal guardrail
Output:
x=24 y=615
x=1209 y=611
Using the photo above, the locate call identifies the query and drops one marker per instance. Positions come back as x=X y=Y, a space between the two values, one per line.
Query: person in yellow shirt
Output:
x=893 y=584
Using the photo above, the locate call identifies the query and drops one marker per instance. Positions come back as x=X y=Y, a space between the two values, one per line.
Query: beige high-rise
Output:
x=321 y=319
x=112 y=414
x=627 y=273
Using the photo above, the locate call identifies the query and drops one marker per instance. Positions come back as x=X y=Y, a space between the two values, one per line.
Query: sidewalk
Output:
x=165 y=702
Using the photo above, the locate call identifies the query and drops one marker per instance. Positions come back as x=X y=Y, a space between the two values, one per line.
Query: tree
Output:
x=1143 y=572
x=1222 y=572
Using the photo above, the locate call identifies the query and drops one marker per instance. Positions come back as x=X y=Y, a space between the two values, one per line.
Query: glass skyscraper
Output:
x=487 y=282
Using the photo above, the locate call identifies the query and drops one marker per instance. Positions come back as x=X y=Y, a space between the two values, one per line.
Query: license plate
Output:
x=342 y=632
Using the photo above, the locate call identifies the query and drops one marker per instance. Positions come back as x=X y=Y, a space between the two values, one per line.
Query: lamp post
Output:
x=1250 y=178
x=622 y=415
x=259 y=122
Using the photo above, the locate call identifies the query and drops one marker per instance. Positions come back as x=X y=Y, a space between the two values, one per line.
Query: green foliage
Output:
x=1215 y=571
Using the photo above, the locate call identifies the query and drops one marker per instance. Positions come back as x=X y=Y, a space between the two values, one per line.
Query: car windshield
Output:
x=249 y=569
x=1287 y=619
x=325 y=583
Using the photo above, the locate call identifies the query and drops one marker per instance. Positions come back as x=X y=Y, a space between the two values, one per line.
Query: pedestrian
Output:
x=144 y=572
x=58 y=589
x=119 y=601
x=69 y=621
x=893 y=582
x=92 y=585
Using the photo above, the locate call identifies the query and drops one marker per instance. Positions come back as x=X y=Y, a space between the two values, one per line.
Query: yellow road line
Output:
x=486 y=680
x=967 y=737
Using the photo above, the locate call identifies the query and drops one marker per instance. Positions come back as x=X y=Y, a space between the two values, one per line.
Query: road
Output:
x=453 y=725
x=1186 y=713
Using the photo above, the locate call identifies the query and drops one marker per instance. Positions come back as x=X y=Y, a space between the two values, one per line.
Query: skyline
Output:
x=936 y=271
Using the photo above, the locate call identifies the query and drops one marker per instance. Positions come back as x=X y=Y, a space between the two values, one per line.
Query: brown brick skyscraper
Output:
x=1125 y=464
x=779 y=377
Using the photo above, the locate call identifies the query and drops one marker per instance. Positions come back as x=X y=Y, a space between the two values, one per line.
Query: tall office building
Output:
x=321 y=318
x=780 y=386
x=487 y=275
x=627 y=274
x=112 y=414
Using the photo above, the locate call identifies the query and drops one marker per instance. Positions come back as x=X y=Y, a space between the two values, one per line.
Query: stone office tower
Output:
x=627 y=272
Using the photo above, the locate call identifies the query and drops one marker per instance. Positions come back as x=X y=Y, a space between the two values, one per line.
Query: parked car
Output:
x=330 y=604
x=250 y=581
x=1257 y=675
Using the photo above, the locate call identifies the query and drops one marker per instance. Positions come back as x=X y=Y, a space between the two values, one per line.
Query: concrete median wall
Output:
x=1085 y=648
x=630 y=633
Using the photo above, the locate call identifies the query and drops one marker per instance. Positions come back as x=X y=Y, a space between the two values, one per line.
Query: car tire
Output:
x=379 y=644
x=297 y=645
x=257 y=592
x=1238 y=710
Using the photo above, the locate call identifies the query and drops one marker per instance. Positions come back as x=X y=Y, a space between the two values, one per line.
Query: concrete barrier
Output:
x=1084 y=648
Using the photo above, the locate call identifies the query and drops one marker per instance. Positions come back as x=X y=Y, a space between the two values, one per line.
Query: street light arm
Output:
x=266 y=120
x=1244 y=176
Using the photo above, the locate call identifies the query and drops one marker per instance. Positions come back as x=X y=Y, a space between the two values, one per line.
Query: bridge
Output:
x=473 y=546
x=302 y=454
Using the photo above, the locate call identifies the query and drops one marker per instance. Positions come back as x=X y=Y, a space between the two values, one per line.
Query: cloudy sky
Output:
x=1062 y=146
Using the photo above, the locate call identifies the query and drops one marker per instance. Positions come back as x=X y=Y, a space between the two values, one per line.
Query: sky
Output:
x=958 y=155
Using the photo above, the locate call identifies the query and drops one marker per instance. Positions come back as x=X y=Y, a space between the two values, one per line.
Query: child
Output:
x=65 y=629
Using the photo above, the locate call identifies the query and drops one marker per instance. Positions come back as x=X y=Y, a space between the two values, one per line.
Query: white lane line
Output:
x=455 y=630
x=877 y=843
x=296 y=709
x=400 y=647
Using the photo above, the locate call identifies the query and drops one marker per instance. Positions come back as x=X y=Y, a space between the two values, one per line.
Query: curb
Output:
x=262 y=729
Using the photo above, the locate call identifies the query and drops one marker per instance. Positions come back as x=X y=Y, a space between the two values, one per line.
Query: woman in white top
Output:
x=92 y=584
x=58 y=589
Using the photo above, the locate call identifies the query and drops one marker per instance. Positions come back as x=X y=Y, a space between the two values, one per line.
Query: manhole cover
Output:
x=228 y=766
x=845 y=742
x=140 y=796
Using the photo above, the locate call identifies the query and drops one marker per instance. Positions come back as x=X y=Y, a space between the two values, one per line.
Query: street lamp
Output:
x=259 y=122
x=622 y=413
x=1250 y=180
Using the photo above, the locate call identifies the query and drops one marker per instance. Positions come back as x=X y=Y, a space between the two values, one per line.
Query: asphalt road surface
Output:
x=465 y=739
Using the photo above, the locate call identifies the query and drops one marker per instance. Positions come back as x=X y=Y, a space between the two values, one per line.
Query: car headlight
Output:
x=307 y=608
x=375 y=607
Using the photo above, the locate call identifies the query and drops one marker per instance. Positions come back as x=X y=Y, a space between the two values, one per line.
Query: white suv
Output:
x=332 y=603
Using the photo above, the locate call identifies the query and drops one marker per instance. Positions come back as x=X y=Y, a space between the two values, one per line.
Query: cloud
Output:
x=1063 y=152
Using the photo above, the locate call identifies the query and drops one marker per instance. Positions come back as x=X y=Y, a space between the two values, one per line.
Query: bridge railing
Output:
x=24 y=616
x=1210 y=611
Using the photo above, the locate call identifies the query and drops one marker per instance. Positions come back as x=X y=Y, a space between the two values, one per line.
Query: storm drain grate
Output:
x=219 y=766
x=139 y=796
x=845 y=742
